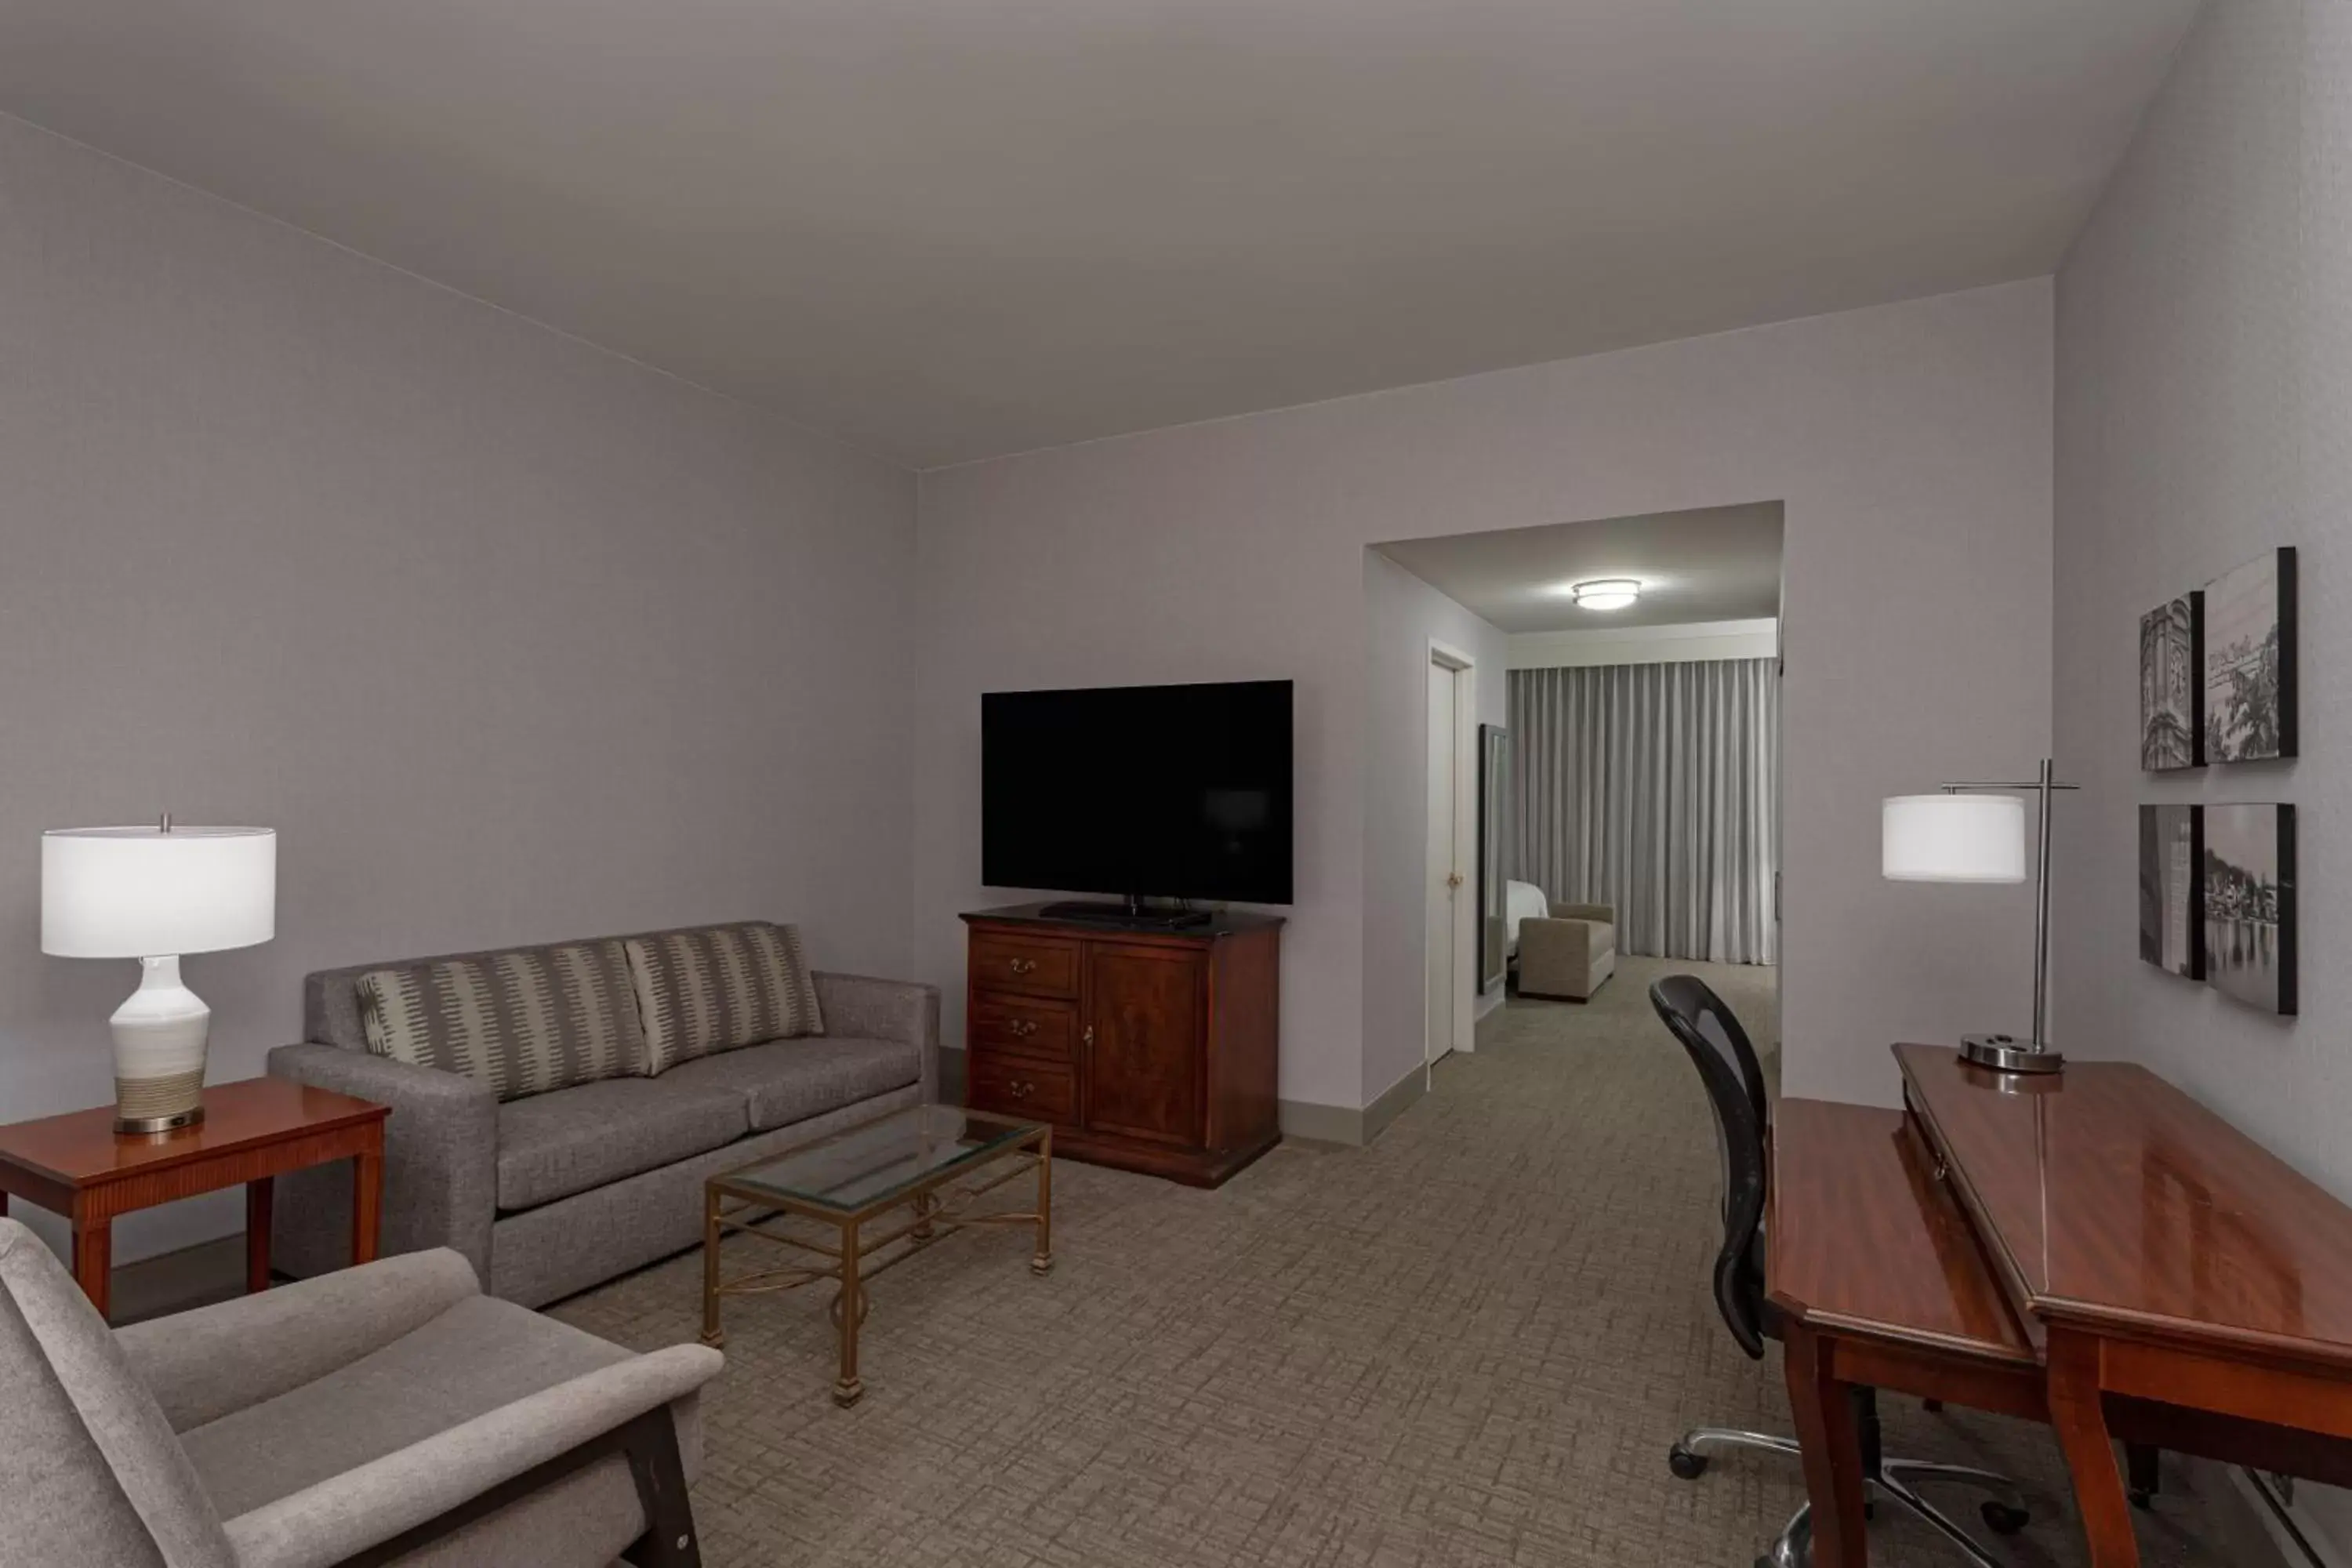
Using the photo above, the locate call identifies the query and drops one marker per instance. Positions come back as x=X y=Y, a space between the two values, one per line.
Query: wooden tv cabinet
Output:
x=1147 y=1048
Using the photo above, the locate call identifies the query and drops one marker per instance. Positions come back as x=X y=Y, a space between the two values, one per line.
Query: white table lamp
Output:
x=153 y=894
x=1976 y=832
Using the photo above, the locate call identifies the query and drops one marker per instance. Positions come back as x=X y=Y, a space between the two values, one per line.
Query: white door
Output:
x=1445 y=881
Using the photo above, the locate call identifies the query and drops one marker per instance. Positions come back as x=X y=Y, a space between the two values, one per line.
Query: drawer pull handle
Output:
x=1023 y=966
x=1022 y=1028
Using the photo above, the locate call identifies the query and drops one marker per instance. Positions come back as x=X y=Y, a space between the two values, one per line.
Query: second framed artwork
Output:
x=2217 y=898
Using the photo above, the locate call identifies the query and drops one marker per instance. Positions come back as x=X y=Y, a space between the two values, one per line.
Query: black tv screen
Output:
x=1156 y=791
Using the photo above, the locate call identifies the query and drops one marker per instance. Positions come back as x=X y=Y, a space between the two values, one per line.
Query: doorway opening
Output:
x=1594 y=791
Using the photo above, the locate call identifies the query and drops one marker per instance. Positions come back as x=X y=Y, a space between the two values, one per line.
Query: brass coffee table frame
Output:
x=939 y=1203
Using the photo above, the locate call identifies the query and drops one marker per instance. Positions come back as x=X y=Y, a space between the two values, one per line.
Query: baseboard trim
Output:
x=1394 y=1101
x=1304 y=1119
x=1347 y=1125
x=1322 y=1123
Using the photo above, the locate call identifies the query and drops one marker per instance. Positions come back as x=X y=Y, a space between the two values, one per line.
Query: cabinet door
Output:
x=1144 y=1059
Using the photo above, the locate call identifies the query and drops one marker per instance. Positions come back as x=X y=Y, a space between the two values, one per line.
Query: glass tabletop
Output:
x=884 y=1158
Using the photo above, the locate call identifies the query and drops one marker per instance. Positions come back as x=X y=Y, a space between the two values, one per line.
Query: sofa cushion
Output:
x=553 y=1145
x=784 y=1081
x=523 y=1022
x=721 y=988
x=475 y=1357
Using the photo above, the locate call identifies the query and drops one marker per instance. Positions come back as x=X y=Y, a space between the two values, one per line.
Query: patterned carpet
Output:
x=1469 y=1343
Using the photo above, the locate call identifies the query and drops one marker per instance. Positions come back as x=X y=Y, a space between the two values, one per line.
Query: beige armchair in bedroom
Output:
x=1566 y=954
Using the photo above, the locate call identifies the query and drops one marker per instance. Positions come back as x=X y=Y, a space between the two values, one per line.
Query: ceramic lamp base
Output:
x=2007 y=1053
x=130 y=1099
x=160 y=1035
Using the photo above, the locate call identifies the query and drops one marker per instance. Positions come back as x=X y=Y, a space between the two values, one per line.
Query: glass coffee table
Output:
x=932 y=1160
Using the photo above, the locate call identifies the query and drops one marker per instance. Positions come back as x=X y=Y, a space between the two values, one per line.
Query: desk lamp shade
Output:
x=1953 y=838
x=152 y=894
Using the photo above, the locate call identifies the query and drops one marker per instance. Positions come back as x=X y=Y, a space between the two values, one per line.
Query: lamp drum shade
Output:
x=1953 y=838
x=149 y=892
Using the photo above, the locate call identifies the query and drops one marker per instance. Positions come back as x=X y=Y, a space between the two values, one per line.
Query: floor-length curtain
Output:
x=1650 y=787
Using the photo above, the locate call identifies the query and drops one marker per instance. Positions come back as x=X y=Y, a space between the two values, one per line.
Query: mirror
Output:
x=1493 y=827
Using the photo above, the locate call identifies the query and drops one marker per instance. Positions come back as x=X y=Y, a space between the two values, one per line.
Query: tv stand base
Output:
x=1134 y=914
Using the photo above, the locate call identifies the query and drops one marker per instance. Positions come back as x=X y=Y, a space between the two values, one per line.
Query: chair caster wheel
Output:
x=2003 y=1520
x=1685 y=1463
x=2144 y=1501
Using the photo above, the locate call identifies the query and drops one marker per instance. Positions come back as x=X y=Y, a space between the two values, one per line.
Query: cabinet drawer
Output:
x=1014 y=1085
x=1034 y=966
x=1044 y=1029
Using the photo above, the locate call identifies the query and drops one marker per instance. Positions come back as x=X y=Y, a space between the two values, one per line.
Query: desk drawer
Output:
x=1001 y=1021
x=1034 y=965
x=1016 y=1086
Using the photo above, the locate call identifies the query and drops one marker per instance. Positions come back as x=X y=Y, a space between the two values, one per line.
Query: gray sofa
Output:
x=387 y=1414
x=548 y=1194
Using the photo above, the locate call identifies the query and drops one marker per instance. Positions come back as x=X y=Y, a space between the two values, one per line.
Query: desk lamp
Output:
x=1976 y=832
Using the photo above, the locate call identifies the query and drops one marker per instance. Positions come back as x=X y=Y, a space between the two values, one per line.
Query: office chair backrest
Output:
x=1727 y=1065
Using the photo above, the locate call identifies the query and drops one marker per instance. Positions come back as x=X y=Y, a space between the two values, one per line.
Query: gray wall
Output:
x=1911 y=445
x=509 y=638
x=1401 y=616
x=2205 y=374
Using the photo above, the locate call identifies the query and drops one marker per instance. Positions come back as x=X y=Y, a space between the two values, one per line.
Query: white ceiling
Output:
x=1718 y=563
x=955 y=230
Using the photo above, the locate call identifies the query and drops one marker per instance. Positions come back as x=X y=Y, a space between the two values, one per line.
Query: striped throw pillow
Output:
x=523 y=1023
x=719 y=988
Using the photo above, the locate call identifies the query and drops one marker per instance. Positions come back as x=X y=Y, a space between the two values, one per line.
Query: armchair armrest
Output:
x=1600 y=915
x=440 y=1158
x=862 y=1007
x=346 y=1514
x=203 y=1364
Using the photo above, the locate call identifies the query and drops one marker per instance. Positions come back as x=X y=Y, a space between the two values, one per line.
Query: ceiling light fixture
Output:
x=1605 y=593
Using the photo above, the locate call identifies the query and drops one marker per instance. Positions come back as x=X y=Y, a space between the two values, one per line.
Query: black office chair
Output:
x=1727 y=1065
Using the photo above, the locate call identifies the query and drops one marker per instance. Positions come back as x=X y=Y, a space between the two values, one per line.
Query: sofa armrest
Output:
x=1599 y=914
x=440 y=1157
x=343 y=1515
x=203 y=1364
x=863 y=1007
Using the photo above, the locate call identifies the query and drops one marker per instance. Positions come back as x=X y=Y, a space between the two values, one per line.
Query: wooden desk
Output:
x=253 y=1132
x=2190 y=1290
x=1879 y=1281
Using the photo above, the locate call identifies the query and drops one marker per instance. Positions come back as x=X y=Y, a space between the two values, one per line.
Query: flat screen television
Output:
x=1170 y=791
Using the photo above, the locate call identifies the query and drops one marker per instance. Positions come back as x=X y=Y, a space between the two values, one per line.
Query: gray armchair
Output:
x=390 y=1414
x=1566 y=955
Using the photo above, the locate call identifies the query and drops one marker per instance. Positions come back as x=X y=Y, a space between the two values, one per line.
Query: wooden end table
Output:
x=253 y=1132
